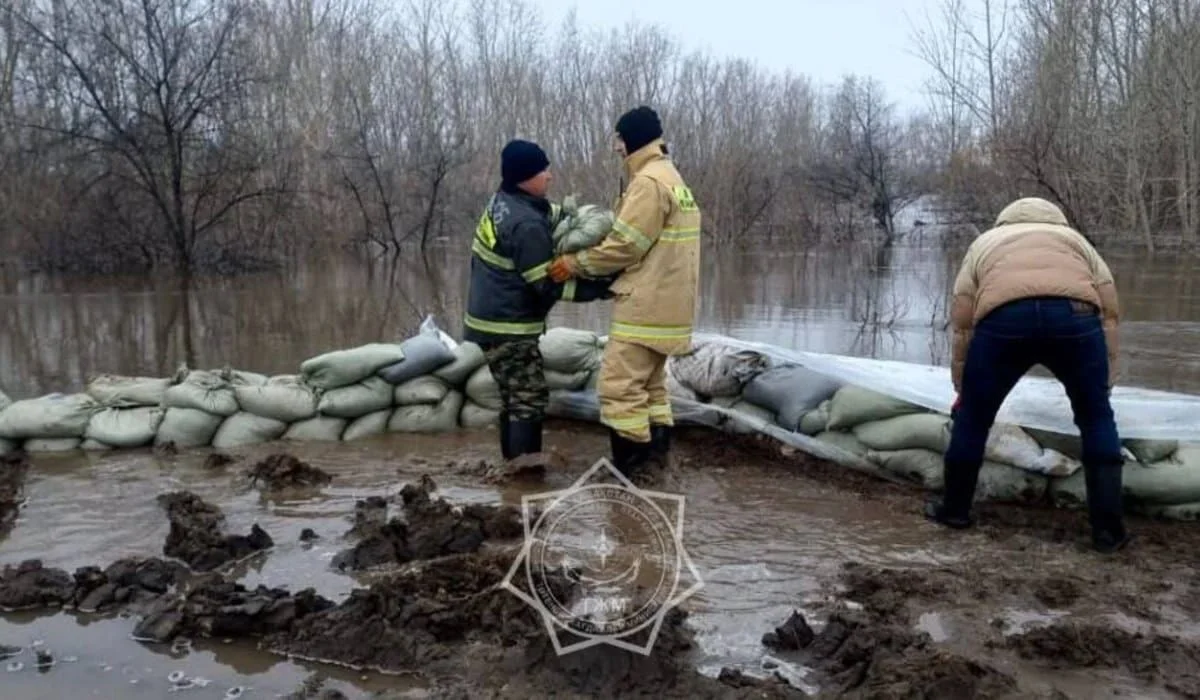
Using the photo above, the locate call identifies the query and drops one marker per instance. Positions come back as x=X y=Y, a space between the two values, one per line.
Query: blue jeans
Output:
x=1067 y=338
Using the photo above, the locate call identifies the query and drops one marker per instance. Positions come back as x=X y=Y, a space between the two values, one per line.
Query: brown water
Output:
x=762 y=548
x=848 y=301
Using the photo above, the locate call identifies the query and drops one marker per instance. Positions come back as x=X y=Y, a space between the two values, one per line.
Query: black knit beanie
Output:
x=638 y=127
x=521 y=160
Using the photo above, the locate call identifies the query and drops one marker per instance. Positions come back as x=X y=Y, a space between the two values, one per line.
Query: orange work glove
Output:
x=562 y=268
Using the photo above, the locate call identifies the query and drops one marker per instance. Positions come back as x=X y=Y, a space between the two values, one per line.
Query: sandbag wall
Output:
x=429 y=383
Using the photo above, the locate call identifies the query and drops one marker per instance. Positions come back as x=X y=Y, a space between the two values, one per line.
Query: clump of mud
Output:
x=218 y=607
x=196 y=538
x=13 y=470
x=126 y=582
x=429 y=528
x=861 y=656
x=453 y=621
x=1147 y=656
x=282 y=471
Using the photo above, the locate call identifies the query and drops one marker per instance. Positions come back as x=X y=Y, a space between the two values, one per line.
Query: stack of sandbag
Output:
x=51 y=423
x=581 y=226
x=713 y=370
x=571 y=362
x=133 y=409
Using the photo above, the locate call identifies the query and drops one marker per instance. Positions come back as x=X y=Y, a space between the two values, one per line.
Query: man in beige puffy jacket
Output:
x=1032 y=290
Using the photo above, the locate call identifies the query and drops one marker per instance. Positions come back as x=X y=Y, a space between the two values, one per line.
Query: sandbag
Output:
x=243 y=428
x=284 y=398
x=5 y=402
x=845 y=441
x=569 y=350
x=125 y=427
x=1010 y=444
x=52 y=445
x=1069 y=445
x=187 y=427
x=468 y=357
x=716 y=370
x=1189 y=512
x=340 y=368
x=237 y=377
x=1151 y=451
x=423 y=353
x=725 y=401
x=357 y=400
x=317 y=429
x=1171 y=482
x=852 y=405
x=569 y=381
x=753 y=414
x=119 y=391
x=420 y=390
x=914 y=431
x=46 y=417
x=816 y=420
x=440 y=417
x=369 y=425
x=473 y=416
x=581 y=226
x=95 y=446
x=8 y=446
x=204 y=391
x=997 y=482
x=674 y=388
x=483 y=389
x=790 y=391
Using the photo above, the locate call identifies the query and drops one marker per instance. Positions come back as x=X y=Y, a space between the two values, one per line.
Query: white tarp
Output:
x=1036 y=402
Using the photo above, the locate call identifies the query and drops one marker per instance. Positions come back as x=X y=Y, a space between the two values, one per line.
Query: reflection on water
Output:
x=889 y=304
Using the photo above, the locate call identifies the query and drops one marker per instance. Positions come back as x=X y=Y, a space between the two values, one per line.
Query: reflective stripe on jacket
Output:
x=510 y=289
x=655 y=245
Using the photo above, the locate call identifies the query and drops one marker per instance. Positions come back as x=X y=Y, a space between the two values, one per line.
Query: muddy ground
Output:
x=957 y=629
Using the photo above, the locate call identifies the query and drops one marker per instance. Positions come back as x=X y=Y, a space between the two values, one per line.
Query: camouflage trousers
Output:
x=518 y=370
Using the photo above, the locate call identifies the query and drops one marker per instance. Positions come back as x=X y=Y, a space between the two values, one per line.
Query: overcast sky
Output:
x=824 y=39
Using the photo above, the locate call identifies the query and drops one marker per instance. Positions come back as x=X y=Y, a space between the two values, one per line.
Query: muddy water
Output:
x=764 y=542
x=852 y=301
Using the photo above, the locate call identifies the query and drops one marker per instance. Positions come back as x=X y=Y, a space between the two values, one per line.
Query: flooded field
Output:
x=898 y=608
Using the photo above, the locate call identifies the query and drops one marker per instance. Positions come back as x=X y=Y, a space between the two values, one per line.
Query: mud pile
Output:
x=1149 y=657
x=218 y=607
x=13 y=470
x=429 y=528
x=196 y=538
x=132 y=581
x=282 y=471
x=451 y=620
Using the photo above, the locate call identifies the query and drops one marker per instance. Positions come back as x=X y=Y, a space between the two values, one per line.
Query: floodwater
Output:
x=94 y=509
x=851 y=301
x=763 y=543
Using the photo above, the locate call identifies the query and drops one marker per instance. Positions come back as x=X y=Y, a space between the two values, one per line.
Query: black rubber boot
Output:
x=628 y=456
x=1105 y=513
x=954 y=508
x=525 y=436
x=660 y=439
x=505 y=436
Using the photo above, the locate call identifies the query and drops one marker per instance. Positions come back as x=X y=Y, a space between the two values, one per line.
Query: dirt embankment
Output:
x=426 y=528
x=196 y=535
x=283 y=472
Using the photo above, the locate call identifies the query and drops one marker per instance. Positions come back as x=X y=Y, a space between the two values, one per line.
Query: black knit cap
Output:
x=638 y=127
x=521 y=160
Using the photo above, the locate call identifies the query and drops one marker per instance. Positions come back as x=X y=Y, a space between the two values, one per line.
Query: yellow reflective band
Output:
x=631 y=234
x=680 y=234
x=627 y=423
x=503 y=327
x=478 y=248
x=660 y=410
x=633 y=330
x=486 y=231
x=537 y=272
x=568 y=293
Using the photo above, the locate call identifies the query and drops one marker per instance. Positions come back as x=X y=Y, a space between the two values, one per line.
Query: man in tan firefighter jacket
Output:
x=655 y=245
